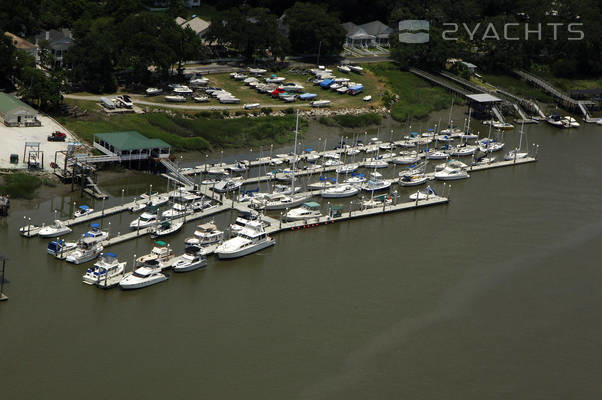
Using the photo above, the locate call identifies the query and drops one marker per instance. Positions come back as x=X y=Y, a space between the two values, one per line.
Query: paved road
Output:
x=137 y=100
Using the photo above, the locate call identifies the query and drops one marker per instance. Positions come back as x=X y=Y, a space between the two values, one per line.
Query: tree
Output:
x=8 y=61
x=253 y=31
x=94 y=54
x=312 y=28
x=36 y=87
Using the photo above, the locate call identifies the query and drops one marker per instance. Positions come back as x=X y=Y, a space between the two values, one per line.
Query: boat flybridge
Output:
x=95 y=234
x=250 y=239
x=453 y=170
x=58 y=247
x=105 y=271
x=161 y=253
x=84 y=252
x=205 y=235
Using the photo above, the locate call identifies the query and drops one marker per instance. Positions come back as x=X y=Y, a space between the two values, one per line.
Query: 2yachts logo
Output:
x=413 y=28
x=416 y=31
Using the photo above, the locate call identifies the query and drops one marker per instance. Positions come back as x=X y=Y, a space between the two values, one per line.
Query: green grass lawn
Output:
x=517 y=86
x=417 y=98
x=184 y=132
x=567 y=85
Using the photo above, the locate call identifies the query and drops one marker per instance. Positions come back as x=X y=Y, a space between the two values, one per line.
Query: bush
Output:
x=289 y=110
x=327 y=121
x=355 y=121
x=266 y=110
x=20 y=185
x=226 y=113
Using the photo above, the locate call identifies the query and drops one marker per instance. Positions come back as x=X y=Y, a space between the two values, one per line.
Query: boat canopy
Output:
x=84 y=207
x=312 y=204
x=112 y=255
x=95 y=225
x=161 y=243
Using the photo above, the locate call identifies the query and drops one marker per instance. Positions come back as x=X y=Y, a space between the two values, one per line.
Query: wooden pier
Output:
x=562 y=98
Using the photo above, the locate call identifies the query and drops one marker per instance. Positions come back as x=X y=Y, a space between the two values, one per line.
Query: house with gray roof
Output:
x=59 y=42
x=369 y=34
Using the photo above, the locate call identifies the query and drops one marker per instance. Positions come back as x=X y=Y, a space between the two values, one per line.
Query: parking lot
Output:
x=12 y=141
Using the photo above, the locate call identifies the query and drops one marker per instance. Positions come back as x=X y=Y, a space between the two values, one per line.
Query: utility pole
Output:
x=2 y=295
x=319 y=48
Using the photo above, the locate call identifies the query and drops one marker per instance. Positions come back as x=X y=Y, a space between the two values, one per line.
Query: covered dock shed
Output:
x=483 y=104
x=16 y=113
x=131 y=145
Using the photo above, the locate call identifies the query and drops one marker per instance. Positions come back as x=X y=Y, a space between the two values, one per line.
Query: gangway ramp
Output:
x=173 y=170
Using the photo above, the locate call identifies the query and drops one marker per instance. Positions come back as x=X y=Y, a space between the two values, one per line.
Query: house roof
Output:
x=62 y=37
x=483 y=98
x=19 y=42
x=180 y=20
x=8 y=103
x=130 y=140
x=197 y=24
x=356 y=32
x=377 y=29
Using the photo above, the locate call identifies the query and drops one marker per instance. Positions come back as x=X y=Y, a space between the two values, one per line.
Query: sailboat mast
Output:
x=295 y=154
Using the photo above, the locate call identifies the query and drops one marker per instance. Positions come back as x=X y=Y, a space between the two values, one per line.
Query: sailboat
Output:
x=280 y=201
x=516 y=154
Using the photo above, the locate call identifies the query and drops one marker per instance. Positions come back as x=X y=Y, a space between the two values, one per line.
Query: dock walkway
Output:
x=561 y=97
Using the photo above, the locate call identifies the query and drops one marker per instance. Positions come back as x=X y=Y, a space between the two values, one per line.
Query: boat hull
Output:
x=246 y=251
x=139 y=283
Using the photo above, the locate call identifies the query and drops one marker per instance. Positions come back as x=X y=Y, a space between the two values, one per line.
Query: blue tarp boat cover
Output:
x=84 y=207
x=326 y=82
x=308 y=96
x=95 y=225
x=357 y=87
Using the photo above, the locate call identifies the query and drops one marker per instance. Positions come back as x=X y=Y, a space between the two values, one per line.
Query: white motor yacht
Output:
x=177 y=210
x=243 y=218
x=147 y=275
x=57 y=229
x=82 y=210
x=323 y=183
x=307 y=210
x=452 y=171
x=105 y=272
x=58 y=247
x=376 y=163
x=228 y=185
x=436 y=155
x=143 y=221
x=84 y=253
x=161 y=252
x=280 y=201
x=412 y=180
x=191 y=259
x=205 y=235
x=378 y=201
x=167 y=228
x=461 y=151
x=95 y=235
x=423 y=194
x=340 y=191
x=515 y=154
x=570 y=122
x=250 y=239
x=376 y=183
x=405 y=158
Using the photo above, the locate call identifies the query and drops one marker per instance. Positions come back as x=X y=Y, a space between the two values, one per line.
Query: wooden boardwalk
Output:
x=561 y=97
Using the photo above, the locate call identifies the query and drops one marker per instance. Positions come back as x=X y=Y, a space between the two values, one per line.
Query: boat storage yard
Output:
x=213 y=196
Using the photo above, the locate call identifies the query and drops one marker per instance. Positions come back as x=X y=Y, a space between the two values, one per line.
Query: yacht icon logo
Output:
x=409 y=31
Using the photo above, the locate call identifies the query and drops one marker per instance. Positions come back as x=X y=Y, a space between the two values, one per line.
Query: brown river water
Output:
x=493 y=296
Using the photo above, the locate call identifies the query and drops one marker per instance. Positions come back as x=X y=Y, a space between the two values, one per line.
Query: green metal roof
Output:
x=8 y=102
x=130 y=140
